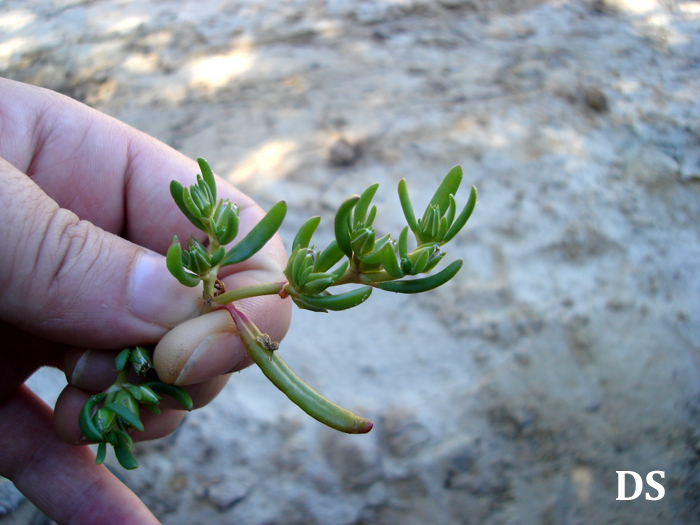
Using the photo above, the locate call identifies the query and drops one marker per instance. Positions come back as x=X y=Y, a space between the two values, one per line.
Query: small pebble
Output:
x=342 y=153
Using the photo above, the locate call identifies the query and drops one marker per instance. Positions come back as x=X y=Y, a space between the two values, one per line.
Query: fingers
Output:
x=93 y=371
x=91 y=179
x=68 y=276
x=72 y=399
x=62 y=480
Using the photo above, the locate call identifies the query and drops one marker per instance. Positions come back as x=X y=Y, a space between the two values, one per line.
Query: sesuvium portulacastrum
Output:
x=355 y=256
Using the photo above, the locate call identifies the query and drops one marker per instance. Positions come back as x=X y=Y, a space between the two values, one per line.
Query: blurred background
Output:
x=566 y=349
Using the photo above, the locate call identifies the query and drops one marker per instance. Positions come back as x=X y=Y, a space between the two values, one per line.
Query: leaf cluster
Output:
x=109 y=416
x=220 y=221
x=385 y=262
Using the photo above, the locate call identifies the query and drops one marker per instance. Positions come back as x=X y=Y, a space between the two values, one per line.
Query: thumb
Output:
x=68 y=280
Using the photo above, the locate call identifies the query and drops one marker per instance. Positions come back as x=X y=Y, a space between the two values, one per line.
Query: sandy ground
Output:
x=567 y=348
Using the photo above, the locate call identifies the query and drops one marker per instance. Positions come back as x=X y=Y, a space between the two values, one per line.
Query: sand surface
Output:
x=567 y=348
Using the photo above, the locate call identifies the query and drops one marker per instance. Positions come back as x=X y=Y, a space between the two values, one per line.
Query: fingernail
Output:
x=157 y=297
x=77 y=375
x=215 y=355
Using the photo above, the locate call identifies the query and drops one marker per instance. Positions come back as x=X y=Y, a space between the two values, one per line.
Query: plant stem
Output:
x=250 y=291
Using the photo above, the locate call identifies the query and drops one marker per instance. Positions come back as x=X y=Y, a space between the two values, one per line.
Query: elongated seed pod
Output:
x=424 y=284
x=277 y=371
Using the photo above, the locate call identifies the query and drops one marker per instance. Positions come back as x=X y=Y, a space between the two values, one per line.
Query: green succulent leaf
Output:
x=174 y=262
x=190 y=204
x=122 y=449
x=406 y=206
x=303 y=236
x=258 y=237
x=218 y=256
x=200 y=197
x=420 y=261
x=121 y=359
x=375 y=257
x=448 y=186
x=390 y=263
x=341 y=224
x=104 y=420
x=463 y=217
x=451 y=210
x=340 y=270
x=360 y=213
x=126 y=414
x=424 y=284
x=147 y=396
x=101 y=453
x=87 y=425
x=371 y=216
x=177 y=191
x=140 y=359
x=177 y=393
x=208 y=176
x=318 y=285
x=341 y=301
x=329 y=257
x=403 y=243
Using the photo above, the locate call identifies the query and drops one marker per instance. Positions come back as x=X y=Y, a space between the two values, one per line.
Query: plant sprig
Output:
x=119 y=411
x=355 y=256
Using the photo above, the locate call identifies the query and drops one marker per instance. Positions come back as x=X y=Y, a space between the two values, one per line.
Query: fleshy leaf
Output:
x=341 y=224
x=258 y=237
x=208 y=176
x=406 y=206
x=360 y=214
x=463 y=217
x=303 y=236
x=424 y=284
x=177 y=191
x=448 y=186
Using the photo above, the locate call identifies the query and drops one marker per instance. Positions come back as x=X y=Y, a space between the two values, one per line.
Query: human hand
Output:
x=85 y=214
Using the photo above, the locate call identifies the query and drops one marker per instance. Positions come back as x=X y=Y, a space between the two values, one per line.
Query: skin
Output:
x=85 y=213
